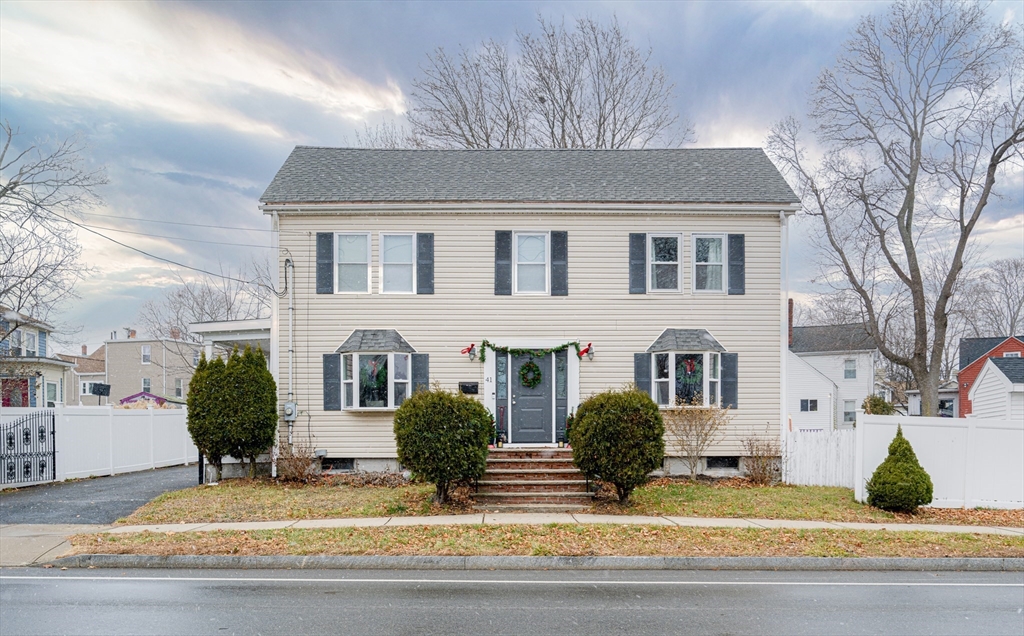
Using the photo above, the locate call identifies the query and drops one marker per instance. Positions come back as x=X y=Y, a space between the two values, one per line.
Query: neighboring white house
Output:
x=846 y=357
x=998 y=393
x=666 y=267
x=949 y=399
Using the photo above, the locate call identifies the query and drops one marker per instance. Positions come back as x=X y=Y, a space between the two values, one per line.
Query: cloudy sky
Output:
x=192 y=107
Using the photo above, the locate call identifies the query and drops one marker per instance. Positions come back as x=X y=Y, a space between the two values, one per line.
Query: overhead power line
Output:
x=218 y=227
x=174 y=238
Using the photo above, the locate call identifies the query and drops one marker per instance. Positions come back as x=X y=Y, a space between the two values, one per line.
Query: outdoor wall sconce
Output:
x=471 y=350
x=588 y=351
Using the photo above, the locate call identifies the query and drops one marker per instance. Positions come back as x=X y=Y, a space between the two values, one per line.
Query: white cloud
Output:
x=172 y=61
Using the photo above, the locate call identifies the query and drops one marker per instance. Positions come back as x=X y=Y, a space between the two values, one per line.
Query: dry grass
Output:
x=555 y=540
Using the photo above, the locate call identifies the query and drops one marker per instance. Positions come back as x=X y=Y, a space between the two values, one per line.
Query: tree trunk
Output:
x=441 y=493
x=928 y=384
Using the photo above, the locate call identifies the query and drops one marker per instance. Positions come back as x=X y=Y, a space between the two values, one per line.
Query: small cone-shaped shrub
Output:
x=899 y=483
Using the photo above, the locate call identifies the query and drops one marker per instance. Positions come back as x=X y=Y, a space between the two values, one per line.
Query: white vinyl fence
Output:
x=973 y=462
x=102 y=440
x=821 y=458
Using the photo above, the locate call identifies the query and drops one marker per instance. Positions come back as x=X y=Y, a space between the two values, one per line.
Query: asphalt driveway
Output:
x=101 y=500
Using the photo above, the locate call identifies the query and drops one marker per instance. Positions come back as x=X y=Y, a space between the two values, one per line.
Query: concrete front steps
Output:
x=542 y=479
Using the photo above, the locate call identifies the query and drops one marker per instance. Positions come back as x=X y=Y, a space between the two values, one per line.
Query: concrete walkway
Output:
x=29 y=544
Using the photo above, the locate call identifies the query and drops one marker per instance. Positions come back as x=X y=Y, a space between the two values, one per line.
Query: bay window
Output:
x=684 y=378
x=375 y=380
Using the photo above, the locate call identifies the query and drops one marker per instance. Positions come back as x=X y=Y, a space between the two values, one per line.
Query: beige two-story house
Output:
x=530 y=279
x=158 y=366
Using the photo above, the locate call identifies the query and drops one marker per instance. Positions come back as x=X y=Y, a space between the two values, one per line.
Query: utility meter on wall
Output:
x=290 y=411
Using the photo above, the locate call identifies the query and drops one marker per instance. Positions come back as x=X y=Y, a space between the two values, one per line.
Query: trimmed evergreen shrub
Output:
x=442 y=436
x=899 y=483
x=251 y=396
x=618 y=437
x=204 y=419
x=876 y=405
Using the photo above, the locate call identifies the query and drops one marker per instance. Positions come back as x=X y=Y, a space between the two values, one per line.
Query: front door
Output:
x=532 y=408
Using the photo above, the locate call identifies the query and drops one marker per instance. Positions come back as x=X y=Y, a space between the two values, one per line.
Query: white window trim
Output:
x=142 y=354
x=143 y=383
x=547 y=262
x=671 y=380
x=650 y=262
x=1011 y=354
x=391 y=380
x=179 y=387
x=369 y=262
x=380 y=263
x=854 y=361
x=725 y=263
x=31 y=341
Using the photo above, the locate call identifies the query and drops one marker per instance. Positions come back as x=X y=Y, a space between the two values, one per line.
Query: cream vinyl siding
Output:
x=991 y=394
x=465 y=310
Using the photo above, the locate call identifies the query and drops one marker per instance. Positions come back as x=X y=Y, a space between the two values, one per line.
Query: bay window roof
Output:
x=685 y=340
x=375 y=340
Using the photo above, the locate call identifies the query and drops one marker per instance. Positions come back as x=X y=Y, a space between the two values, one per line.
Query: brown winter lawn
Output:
x=552 y=540
x=264 y=500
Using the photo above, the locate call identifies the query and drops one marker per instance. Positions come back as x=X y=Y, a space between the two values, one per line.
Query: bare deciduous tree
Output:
x=997 y=299
x=921 y=113
x=42 y=186
x=691 y=429
x=587 y=86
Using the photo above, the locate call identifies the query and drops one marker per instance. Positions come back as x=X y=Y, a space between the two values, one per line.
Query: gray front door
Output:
x=532 y=417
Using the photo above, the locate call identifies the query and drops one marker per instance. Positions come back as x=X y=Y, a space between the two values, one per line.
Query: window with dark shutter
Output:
x=638 y=263
x=559 y=263
x=420 y=372
x=730 y=381
x=642 y=371
x=332 y=382
x=424 y=263
x=503 y=263
x=737 y=264
x=324 y=263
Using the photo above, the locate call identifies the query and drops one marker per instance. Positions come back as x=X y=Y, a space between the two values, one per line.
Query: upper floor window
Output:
x=808 y=406
x=16 y=343
x=30 y=344
x=147 y=352
x=849 y=369
x=353 y=263
x=531 y=263
x=663 y=256
x=397 y=263
x=685 y=379
x=147 y=385
x=1011 y=354
x=375 y=380
x=179 y=387
x=709 y=273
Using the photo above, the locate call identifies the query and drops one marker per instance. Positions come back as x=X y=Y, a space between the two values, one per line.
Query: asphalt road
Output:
x=40 y=601
x=100 y=500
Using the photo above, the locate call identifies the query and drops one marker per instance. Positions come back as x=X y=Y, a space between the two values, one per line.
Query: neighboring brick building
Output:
x=973 y=354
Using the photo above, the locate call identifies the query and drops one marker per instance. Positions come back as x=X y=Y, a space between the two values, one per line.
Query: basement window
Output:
x=723 y=462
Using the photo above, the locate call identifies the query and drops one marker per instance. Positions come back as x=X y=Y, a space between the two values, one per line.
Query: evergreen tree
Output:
x=900 y=484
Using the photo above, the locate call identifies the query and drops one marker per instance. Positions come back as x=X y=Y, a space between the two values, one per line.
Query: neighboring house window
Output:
x=353 y=263
x=146 y=385
x=531 y=263
x=850 y=369
x=808 y=406
x=30 y=344
x=682 y=378
x=51 y=395
x=709 y=259
x=195 y=358
x=179 y=387
x=397 y=264
x=946 y=408
x=147 y=351
x=663 y=256
x=1012 y=354
x=375 y=380
x=849 y=411
x=16 y=349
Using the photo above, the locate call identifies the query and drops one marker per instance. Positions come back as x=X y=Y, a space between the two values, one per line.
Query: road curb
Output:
x=539 y=563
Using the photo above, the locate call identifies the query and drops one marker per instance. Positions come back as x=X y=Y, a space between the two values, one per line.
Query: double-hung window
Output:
x=375 y=380
x=352 y=260
x=531 y=258
x=147 y=354
x=686 y=379
x=179 y=387
x=709 y=271
x=16 y=349
x=849 y=411
x=30 y=344
x=849 y=369
x=665 y=263
x=147 y=385
x=397 y=263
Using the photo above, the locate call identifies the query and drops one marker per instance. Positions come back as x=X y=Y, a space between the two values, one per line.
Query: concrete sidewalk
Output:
x=30 y=544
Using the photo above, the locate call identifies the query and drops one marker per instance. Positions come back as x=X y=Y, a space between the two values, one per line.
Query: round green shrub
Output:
x=618 y=437
x=876 y=405
x=442 y=436
x=899 y=483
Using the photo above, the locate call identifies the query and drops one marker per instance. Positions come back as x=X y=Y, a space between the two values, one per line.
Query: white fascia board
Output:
x=597 y=208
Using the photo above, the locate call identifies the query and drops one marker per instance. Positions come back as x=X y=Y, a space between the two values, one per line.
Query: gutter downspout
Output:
x=291 y=338
x=784 y=338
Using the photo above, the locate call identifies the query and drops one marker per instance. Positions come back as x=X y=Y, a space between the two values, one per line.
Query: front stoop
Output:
x=525 y=479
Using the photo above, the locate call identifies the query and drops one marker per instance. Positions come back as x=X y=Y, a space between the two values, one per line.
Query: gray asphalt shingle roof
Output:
x=824 y=338
x=375 y=340
x=1012 y=368
x=973 y=348
x=688 y=175
x=685 y=340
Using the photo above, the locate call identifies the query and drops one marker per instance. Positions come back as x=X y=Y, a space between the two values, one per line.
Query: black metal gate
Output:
x=27 y=453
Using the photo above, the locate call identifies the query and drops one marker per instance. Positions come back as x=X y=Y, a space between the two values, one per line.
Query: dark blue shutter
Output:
x=737 y=265
x=42 y=344
x=638 y=263
x=503 y=263
x=424 y=263
x=642 y=371
x=5 y=340
x=420 y=372
x=332 y=382
x=559 y=263
x=324 y=263
x=730 y=381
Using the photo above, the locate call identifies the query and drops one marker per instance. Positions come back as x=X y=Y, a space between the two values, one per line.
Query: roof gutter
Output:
x=786 y=209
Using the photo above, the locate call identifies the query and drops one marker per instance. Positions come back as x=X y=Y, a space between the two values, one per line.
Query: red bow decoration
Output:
x=468 y=349
x=585 y=350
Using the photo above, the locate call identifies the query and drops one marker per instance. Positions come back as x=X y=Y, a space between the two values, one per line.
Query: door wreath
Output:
x=530 y=374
